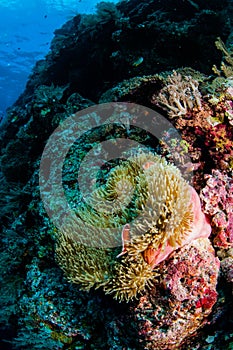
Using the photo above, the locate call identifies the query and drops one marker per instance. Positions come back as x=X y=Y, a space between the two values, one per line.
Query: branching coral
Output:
x=207 y=132
x=222 y=101
x=162 y=214
x=179 y=95
x=226 y=68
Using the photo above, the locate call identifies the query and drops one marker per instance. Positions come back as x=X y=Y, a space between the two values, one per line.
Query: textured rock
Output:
x=182 y=300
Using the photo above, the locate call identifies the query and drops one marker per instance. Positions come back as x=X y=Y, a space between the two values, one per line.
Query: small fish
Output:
x=138 y=61
x=125 y=237
x=189 y=167
x=147 y=165
x=149 y=255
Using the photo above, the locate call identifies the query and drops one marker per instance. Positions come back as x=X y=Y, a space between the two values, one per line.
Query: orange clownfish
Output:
x=125 y=237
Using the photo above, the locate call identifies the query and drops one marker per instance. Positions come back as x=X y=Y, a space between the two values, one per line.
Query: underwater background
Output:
x=107 y=244
x=26 y=32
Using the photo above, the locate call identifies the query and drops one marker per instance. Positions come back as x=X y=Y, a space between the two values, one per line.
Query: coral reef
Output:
x=227 y=269
x=54 y=315
x=226 y=68
x=179 y=95
x=183 y=298
x=206 y=129
x=132 y=52
x=130 y=30
x=217 y=199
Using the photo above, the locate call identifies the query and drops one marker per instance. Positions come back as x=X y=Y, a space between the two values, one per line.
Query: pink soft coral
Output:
x=217 y=199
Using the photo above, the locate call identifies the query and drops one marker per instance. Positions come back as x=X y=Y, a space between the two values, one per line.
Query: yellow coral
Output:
x=226 y=68
x=179 y=95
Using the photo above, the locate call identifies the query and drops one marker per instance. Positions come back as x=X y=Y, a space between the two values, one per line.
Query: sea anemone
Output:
x=145 y=205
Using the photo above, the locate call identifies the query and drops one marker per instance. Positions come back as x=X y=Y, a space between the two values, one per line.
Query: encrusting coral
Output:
x=162 y=214
x=217 y=202
x=183 y=298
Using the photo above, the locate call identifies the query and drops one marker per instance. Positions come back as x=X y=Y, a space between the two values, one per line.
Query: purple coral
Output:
x=217 y=200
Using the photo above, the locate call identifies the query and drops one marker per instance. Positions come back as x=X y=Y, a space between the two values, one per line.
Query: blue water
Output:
x=26 y=30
